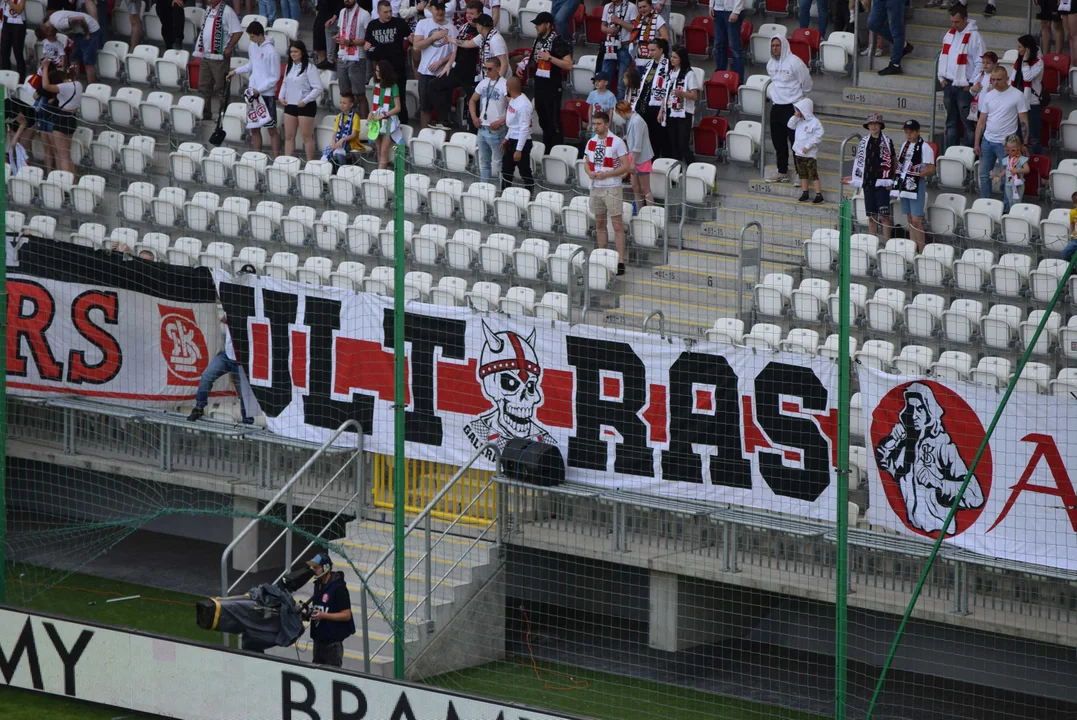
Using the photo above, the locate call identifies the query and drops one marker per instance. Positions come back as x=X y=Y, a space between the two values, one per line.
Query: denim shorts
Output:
x=89 y=45
x=877 y=201
x=914 y=207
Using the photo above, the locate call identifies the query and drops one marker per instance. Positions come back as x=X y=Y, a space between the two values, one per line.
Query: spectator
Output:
x=649 y=26
x=351 y=54
x=1003 y=111
x=324 y=54
x=493 y=9
x=823 y=19
x=563 y=10
x=1067 y=10
x=59 y=114
x=1050 y=26
x=618 y=19
x=51 y=47
x=680 y=106
x=268 y=9
x=331 y=622
x=432 y=39
x=264 y=69
x=134 y=15
x=601 y=99
x=492 y=45
x=630 y=82
x=726 y=14
x=385 y=39
x=243 y=7
x=873 y=170
x=550 y=58
x=91 y=36
x=956 y=74
x=807 y=135
x=345 y=146
x=638 y=140
x=466 y=67
x=915 y=163
x=13 y=37
x=172 y=22
x=1027 y=76
x=216 y=41
x=790 y=81
x=299 y=93
x=289 y=9
x=516 y=147
x=386 y=111
x=887 y=19
x=223 y=363
x=981 y=84
x=1013 y=172
x=1071 y=246
x=488 y=106
x=607 y=161
x=652 y=96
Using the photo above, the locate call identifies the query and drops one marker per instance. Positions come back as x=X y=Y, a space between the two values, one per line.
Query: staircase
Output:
x=461 y=626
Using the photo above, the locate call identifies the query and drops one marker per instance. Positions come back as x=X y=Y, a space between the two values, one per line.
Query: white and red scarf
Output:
x=349 y=30
x=383 y=99
x=962 y=79
x=613 y=40
x=658 y=72
x=214 y=15
x=600 y=152
x=645 y=32
x=543 y=67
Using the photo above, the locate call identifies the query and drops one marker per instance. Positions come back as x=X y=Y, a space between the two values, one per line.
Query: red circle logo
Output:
x=183 y=346
x=924 y=437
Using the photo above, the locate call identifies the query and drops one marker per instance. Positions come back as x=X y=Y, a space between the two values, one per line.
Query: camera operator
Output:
x=331 y=617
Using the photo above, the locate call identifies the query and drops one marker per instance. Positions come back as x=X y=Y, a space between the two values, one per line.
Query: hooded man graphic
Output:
x=925 y=463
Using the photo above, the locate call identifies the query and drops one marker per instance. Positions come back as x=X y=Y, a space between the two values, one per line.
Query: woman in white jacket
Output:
x=807 y=135
x=1027 y=76
x=299 y=95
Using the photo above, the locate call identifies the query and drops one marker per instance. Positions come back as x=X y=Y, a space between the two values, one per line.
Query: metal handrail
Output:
x=856 y=50
x=935 y=97
x=661 y=322
x=424 y=514
x=841 y=163
x=571 y=280
x=763 y=138
x=740 y=261
x=287 y=489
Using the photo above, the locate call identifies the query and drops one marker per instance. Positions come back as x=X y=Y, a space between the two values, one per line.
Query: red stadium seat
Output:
x=808 y=35
x=516 y=57
x=778 y=7
x=698 y=36
x=1056 y=70
x=801 y=49
x=1041 y=170
x=709 y=136
x=1050 y=124
x=578 y=19
x=746 y=30
x=593 y=27
x=575 y=119
x=721 y=90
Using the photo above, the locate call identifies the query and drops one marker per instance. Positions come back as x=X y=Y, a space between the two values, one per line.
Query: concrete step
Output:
x=905 y=83
x=887 y=101
x=912 y=65
x=931 y=34
x=842 y=114
x=710 y=306
x=1009 y=20
x=632 y=319
x=792 y=191
x=711 y=265
x=721 y=236
x=686 y=293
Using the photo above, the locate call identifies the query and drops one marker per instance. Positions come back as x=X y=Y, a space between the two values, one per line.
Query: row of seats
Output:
x=975 y=271
x=924 y=316
x=882 y=355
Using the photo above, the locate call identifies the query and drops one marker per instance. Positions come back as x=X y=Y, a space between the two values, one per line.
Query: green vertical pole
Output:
x=841 y=591
x=3 y=355
x=399 y=395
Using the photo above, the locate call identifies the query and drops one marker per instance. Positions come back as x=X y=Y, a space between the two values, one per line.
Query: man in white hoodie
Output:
x=790 y=81
x=960 y=65
x=807 y=135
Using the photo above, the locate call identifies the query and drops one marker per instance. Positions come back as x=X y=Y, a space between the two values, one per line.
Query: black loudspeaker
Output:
x=533 y=462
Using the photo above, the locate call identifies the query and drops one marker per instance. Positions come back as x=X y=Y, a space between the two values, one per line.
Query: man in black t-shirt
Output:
x=386 y=36
x=551 y=58
x=466 y=67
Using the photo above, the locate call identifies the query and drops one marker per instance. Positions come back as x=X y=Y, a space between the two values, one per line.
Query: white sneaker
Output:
x=778 y=178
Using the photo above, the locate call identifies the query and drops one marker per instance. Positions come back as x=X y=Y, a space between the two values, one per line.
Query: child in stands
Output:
x=1013 y=172
x=1071 y=246
x=384 y=111
x=808 y=135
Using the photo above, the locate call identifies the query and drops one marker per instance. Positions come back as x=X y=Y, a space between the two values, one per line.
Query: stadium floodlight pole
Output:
x=964 y=485
x=3 y=355
x=841 y=590
x=398 y=415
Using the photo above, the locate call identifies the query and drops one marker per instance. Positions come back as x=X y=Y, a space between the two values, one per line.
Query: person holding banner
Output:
x=223 y=363
x=264 y=69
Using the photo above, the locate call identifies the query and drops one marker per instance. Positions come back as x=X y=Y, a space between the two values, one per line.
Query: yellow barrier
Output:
x=423 y=479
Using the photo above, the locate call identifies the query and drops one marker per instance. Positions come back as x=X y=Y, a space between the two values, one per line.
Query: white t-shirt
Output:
x=53 y=50
x=616 y=150
x=518 y=120
x=231 y=26
x=348 y=17
x=13 y=17
x=689 y=85
x=640 y=50
x=1002 y=109
x=628 y=14
x=69 y=97
x=61 y=20
x=450 y=10
x=498 y=46
x=437 y=51
x=493 y=100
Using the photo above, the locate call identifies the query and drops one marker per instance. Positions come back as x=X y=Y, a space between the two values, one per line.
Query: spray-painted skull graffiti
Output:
x=510 y=373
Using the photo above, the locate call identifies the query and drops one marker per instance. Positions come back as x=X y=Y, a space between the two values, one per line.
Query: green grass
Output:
x=605 y=697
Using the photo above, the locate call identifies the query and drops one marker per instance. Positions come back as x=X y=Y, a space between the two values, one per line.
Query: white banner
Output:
x=627 y=410
x=90 y=323
x=922 y=436
x=169 y=678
